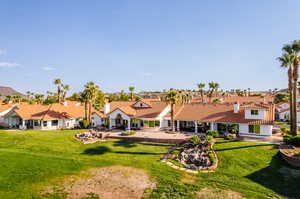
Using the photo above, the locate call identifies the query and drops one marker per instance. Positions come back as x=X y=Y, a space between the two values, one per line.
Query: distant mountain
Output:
x=9 y=91
x=283 y=90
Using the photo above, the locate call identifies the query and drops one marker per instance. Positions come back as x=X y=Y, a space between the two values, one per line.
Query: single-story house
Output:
x=46 y=117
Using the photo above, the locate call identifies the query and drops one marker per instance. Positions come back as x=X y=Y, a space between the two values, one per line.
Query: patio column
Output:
x=110 y=123
x=129 y=124
x=23 y=124
x=178 y=125
x=211 y=126
x=196 y=127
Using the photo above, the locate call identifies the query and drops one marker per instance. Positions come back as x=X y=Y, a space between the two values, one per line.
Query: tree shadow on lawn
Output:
x=279 y=177
x=244 y=147
x=155 y=144
x=99 y=150
x=125 y=143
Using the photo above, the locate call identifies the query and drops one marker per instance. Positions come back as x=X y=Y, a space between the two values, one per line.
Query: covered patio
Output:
x=203 y=127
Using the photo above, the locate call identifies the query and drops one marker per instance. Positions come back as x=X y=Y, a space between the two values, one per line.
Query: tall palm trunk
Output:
x=295 y=83
x=172 y=117
x=85 y=109
x=291 y=98
x=58 y=93
x=90 y=113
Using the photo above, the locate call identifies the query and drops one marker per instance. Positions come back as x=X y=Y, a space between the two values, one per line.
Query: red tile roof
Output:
x=142 y=112
x=221 y=113
x=52 y=111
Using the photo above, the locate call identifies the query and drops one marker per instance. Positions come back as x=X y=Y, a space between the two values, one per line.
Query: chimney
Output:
x=236 y=107
x=106 y=108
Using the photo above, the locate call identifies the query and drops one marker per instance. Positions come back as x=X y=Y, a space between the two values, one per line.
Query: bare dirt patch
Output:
x=109 y=183
x=218 y=194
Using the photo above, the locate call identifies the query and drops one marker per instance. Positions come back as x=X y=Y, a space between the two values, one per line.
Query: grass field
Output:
x=32 y=160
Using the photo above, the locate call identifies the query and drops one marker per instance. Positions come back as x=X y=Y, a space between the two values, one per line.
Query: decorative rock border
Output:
x=210 y=169
x=292 y=160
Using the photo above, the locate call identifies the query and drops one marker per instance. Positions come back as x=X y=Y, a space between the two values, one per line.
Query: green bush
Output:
x=195 y=140
x=292 y=140
x=212 y=133
x=285 y=130
x=84 y=124
x=212 y=157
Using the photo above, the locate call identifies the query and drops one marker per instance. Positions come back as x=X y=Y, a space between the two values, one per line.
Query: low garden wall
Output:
x=292 y=160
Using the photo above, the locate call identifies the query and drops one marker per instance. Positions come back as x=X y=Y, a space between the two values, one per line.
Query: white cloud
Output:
x=8 y=64
x=47 y=68
x=2 y=52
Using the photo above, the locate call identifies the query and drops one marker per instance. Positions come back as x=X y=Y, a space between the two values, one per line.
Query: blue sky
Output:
x=151 y=45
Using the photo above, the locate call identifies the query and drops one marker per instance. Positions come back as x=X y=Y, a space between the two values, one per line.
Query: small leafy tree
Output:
x=212 y=133
x=195 y=140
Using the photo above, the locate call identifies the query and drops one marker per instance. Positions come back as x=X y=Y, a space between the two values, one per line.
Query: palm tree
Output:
x=39 y=98
x=201 y=87
x=66 y=88
x=249 y=91
x=213 y=86
x=131 y=89
x=58 y=83
x=83 y=99
x=91 y=91
x=7 y=99
x=291 y=59
x=172 y=98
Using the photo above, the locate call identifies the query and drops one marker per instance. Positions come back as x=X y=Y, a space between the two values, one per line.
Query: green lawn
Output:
x=31 y=160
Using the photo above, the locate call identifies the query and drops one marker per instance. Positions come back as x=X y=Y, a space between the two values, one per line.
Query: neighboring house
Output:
x=283 y=111
x=239 y=99
x=4 y=109
x=45 y=117
x=250 y=120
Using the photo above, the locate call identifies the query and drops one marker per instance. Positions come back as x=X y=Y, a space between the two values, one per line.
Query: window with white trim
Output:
x=254 y=128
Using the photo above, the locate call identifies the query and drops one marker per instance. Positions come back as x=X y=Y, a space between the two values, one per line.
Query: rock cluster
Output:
x=91 y=136
x=195 y=157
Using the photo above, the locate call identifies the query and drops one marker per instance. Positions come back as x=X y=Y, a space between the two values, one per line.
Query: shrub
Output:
x=84 y=124
x=292 y=140
x=212 y=133
x=195 y=140
x=285 y=130
x=212 y=157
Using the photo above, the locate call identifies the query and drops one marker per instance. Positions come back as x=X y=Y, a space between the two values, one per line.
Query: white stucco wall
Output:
x=260 y=116
x=113 y=116
x=284 y=115
x=96 y=120
x=265 y=130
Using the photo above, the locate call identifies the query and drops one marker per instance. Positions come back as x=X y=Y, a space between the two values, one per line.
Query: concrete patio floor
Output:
x=153 y=136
